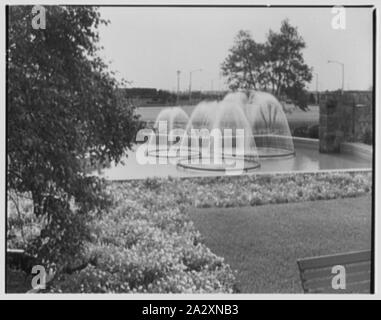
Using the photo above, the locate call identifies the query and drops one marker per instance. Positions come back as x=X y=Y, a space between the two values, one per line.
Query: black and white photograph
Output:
x=190 y=149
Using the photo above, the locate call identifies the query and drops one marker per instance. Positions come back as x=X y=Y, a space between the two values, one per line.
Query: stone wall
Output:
x=345 y=117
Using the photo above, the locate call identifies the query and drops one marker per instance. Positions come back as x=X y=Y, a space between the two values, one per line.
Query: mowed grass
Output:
x=263 y=243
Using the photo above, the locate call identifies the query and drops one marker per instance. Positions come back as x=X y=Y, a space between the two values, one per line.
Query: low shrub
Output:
x=301 y=131
x=368 y=138
x=313 y=132
x=135 y=249
x=305 y=131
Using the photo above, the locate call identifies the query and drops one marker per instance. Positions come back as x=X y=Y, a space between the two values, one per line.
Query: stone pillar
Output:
x=330 y=133
x=346 y=117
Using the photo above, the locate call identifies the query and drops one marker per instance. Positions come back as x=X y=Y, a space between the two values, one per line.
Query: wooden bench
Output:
x=316 y=272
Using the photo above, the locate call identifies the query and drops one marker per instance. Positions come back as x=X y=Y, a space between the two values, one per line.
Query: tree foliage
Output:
x=277 y=65
x=63 y=111
x=245 y=65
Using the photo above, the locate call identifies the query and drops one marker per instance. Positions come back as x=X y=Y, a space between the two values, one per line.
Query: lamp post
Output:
x=190 y=82
x=342 y=72
x=317 y=87
x=219 y=85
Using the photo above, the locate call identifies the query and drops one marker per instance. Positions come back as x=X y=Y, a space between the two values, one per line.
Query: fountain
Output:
x=223 y=136
x=221 y=133
x=168 y=130
x=269 y=125
x=201 y=121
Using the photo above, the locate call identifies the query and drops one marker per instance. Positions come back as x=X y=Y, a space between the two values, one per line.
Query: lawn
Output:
x=263 y=243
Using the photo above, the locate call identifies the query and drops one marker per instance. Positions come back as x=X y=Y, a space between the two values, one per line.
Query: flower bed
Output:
x=146 y=242
x=148 y=249
x=248 y=190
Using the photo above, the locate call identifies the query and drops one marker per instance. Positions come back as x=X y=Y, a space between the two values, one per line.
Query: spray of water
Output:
x=242 y=127
x=168 y=130
x=269 y=125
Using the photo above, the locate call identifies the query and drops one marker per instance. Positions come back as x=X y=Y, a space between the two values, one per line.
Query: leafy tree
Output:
x=63 y=113
x=277 y=65
x=298 y=95
x=286 y=59
x=245 y=65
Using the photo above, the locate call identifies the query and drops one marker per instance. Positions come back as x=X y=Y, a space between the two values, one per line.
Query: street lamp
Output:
x=219 y=85
x=317 y=87
x=342 y=72
x=190 y=82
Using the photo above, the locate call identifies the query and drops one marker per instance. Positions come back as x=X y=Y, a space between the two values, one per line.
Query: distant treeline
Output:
x=152 y=96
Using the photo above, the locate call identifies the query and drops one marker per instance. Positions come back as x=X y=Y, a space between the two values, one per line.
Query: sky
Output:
x=148 y=45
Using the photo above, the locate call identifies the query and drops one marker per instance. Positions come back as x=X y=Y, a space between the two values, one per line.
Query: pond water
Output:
x=307 y=158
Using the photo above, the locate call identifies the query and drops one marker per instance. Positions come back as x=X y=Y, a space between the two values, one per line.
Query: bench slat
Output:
x=312 y=274
x=332 y=260
x=360 y=287
x=327 y=282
